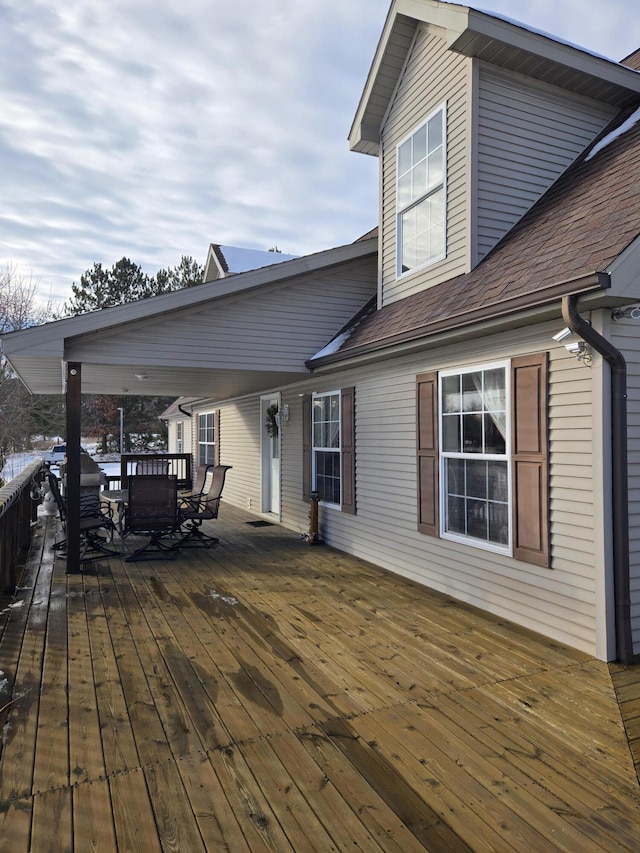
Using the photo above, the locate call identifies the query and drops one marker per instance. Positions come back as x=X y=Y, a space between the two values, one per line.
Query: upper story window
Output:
x=421 y=196
x=207 y=439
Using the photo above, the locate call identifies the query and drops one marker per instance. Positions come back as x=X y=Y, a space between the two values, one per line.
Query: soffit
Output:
x=561 y=70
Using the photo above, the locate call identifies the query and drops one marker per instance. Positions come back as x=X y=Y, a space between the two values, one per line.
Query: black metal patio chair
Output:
x=198 y=483
x=95 y=521
x=152 y=511
x=193 y=511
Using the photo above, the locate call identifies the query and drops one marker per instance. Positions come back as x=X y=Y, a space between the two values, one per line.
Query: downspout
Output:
x=619 y=462
x=184 y=411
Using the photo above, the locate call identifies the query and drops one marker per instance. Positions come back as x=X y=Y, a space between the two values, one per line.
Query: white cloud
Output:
x=149 y=128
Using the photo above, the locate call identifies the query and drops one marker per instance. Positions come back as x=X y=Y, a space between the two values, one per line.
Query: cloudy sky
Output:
x=151 y=128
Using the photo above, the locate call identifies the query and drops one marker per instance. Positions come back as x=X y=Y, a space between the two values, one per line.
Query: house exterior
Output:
x=461 y=390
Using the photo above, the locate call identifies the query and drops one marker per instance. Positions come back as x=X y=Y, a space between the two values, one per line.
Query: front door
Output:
x=270 y=431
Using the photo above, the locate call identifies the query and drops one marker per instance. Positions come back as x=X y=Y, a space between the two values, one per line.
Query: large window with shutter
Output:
x=482 y=456
x=474 y=456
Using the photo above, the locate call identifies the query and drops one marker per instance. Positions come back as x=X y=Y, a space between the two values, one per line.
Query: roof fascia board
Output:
x=155 y=306
x=448 y=16
x=392 y=99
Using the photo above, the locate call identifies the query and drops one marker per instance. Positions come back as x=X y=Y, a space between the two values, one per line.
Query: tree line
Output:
x=23 y=416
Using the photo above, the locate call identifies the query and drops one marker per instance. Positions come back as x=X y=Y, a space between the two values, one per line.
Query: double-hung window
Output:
x=421 y=195
x=475 y=456
x=207 y=438
x=179 y=436
x=482 y=456
x=326 y=446
x=329 y=448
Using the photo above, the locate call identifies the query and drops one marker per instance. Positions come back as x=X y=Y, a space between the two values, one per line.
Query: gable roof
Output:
x=231 y=260
x=564 y=244
x=195 y=340
x=499 y=41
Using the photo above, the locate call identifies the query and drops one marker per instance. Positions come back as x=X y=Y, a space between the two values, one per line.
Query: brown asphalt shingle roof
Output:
x=584 y=221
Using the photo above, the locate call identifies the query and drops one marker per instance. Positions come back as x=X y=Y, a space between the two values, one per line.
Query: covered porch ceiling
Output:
x=47 y=376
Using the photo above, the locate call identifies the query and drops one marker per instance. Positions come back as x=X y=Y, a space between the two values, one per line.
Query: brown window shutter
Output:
x=306 y=447
x=427 y=452
x=348 y=447
x=216 y=426
x=529 y=455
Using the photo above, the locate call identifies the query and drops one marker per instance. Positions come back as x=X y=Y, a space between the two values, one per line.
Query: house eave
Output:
x=543 y=305
x=507 y=45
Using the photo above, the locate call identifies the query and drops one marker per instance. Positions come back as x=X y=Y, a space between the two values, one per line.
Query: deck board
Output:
x=263 y=695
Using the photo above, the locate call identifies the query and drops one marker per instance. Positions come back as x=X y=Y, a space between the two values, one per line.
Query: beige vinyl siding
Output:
x=278 y=328
x=573 y=544
x=239 y=440
x=625 y=335
x=559 y=602
x=295 y=512
x=432 y=76
x=528 y=134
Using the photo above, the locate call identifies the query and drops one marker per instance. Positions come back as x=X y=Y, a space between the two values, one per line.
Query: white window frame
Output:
x=179 y=436
x=209 y=444
x=317 y=448
x=503 y=457
x=403 y=208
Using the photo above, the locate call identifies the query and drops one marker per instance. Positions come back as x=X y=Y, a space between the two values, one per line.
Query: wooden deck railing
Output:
x=17 y=511
x=179 y=464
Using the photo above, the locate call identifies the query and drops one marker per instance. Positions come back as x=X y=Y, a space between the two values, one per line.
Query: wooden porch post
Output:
x=72 y=489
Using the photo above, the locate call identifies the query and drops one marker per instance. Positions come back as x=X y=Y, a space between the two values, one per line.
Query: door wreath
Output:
x=272 y=420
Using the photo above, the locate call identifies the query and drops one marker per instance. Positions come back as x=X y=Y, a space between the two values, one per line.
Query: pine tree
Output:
x=103 y=288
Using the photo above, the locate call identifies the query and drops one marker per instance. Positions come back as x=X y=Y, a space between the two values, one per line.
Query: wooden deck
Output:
x=268 y=696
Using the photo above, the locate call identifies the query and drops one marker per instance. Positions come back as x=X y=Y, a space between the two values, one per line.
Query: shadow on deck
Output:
x=265 y=695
